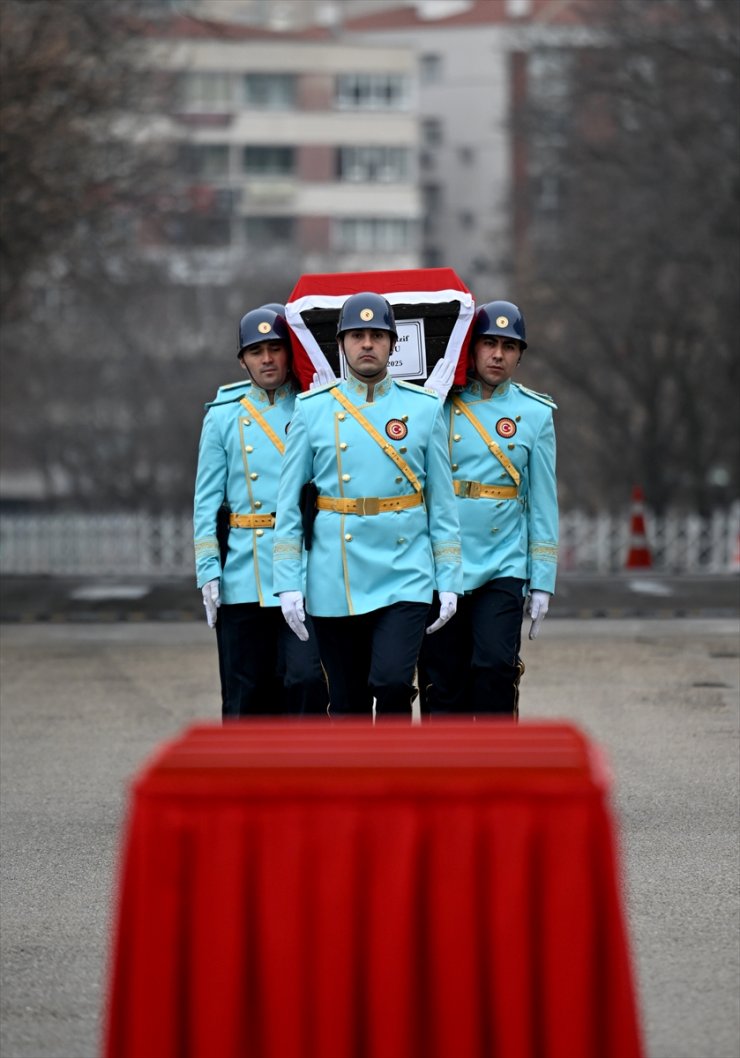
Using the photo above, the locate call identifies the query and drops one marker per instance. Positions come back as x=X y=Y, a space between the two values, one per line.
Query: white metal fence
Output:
x=162 y=544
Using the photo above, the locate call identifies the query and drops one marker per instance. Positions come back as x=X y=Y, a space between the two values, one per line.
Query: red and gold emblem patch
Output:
x=506 y=427
x=396 y=429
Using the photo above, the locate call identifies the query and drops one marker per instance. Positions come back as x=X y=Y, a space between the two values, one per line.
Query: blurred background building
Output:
x=293 y=147
x=170 y=163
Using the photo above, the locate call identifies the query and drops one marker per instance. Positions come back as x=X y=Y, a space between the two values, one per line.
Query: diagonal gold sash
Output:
x=378 y=438
x=259 y=417
x=505 y=462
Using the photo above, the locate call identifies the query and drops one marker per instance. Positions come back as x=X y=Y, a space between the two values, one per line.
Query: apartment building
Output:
x=293 y=147
x=476 y=63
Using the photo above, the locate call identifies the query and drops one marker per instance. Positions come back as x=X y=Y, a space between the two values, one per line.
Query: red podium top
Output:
x=307 y=890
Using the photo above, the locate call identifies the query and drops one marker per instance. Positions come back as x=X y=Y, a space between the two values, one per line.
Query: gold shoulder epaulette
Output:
x=416 y=388
x=225 y=397
x=543 y=398
x=319 y=389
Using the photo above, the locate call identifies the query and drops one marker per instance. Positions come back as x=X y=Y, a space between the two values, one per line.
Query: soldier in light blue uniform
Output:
x=264 y=670
x=501 y=443
x=385 y=531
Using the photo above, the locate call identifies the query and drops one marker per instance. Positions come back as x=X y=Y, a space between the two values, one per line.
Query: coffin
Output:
x=433 y=310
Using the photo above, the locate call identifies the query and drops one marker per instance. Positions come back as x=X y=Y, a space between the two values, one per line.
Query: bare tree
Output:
x=69 y=73
x=631 y=254
x=106 y=360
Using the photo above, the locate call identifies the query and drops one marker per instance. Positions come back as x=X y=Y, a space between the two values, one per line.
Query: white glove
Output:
x=291 y=603
x=321 y=376
x=441 y=378
x=447 y=609
x=212 y=600
x=537 y=606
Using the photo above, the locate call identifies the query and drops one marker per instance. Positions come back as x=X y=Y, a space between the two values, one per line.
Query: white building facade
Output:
x=290 y=148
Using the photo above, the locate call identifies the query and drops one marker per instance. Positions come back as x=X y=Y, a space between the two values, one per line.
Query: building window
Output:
x=368 y=234
x=373 y=164
x=206 y=91
x=270 y=91
x=269 y=161
x=432 y=197
x=195 y=159
x=431 y=132
x=430 y=69
x=367 y=91
x=466 y=155
x=264 y=232
x=467 y=219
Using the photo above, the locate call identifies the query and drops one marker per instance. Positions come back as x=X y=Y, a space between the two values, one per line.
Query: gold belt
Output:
x=369 y=504
x=473 y=490
x=252 y=521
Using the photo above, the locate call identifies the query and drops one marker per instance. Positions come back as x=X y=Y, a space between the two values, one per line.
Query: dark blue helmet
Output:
x=502 y=318
x=366 y=310
x=262 y=325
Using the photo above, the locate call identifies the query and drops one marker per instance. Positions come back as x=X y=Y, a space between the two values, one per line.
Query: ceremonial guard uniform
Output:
x=385 y=531
x=501 y=444
x=264 y=669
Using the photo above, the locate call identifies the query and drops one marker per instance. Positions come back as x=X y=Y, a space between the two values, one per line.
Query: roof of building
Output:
x=480 y=12
x=189 y=27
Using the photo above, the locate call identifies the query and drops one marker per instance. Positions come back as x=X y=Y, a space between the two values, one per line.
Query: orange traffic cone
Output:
x=639 y=556
x=735 y=560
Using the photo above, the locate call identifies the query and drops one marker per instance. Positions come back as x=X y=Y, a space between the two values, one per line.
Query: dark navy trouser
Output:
x=372 y=655
x=266 y=669
x=472 y=665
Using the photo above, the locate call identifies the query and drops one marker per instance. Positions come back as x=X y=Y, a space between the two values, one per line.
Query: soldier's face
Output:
x=266 y=363
x=367 y=352
x=494 y=359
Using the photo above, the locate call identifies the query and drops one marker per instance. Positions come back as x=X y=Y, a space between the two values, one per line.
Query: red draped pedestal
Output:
x=346 y=891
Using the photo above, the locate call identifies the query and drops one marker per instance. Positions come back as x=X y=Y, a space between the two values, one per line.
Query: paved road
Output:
x=92 y=600
x=85 y=704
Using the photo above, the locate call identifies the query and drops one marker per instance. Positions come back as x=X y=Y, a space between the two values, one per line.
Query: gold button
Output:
x=249 y=448
x=346 y=477
x=348 y=537
x=403 y=449
x=494 y=530
x=399 y=480
x=247 y=422
x=341 y=416
x=455 y=466
x=404 y=418
x=258 y=504
x=343 y=446
x=402 y=540
x=259 y=532
x=457 y=411
x=456 y=437
x=518 y=418
x=511 y=446
x=254 y=476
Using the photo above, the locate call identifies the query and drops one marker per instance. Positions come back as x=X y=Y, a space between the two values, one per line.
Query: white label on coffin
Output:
x=409 y=357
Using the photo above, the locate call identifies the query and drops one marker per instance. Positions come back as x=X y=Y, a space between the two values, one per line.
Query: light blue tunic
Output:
x=507 y=537
x=359 y=563
x=238 y=463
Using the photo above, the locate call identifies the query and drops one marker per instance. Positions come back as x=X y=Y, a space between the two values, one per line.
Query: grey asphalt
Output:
x=91 y=600
x=84 y=704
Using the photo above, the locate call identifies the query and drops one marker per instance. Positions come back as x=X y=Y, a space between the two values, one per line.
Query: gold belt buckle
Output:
x=368 y=505
x=469 y=490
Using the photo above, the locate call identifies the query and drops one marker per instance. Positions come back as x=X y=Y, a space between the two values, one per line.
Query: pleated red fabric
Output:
x=314 y=891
